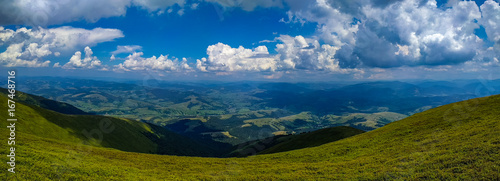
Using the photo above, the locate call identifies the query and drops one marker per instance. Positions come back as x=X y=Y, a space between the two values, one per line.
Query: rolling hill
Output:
x=282 y=143
x=459 y=141
x=45 y=103
x=100 y=131
x=238 y=112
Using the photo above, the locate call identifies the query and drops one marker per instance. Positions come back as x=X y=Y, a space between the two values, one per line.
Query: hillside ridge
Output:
x=458 y=141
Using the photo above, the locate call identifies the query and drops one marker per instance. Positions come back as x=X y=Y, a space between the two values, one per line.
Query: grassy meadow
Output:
x=460 y=141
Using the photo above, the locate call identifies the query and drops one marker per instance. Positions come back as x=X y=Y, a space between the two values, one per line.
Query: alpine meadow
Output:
x=250 y=90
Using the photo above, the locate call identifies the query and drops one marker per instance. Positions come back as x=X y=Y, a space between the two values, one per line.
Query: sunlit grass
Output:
x=454 y=142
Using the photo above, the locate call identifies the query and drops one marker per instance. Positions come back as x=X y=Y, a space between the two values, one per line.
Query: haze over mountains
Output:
x=237 y=112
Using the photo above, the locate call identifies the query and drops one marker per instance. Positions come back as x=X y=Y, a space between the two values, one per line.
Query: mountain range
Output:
x=455 y=141
x=237 y=112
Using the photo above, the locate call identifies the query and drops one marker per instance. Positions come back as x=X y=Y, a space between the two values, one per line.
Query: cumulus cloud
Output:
x=222 y=57
x=491 y=22
x=293 y=53
x=305 y=53
x=350 y=35
x=88 y=62
x=21 y=55
x=373 y=33
x=126 y=49
x=135 y=61
x=425 y=33
x=334 y=26
x=28 y=47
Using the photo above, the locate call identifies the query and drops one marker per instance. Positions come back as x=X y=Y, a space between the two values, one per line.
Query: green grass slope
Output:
x=284 y=143
x=460 y=141
x=313 y=139
x=100 y=131
x=42 y=102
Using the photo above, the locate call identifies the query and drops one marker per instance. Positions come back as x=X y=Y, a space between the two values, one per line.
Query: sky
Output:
x=275 y=40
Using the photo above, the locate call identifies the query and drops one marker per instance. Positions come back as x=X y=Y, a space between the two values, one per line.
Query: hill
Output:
x=312 y=139
x=100 y=131
x=459 y=141
x=238 y=112
x=282 y=143
x=42 y=102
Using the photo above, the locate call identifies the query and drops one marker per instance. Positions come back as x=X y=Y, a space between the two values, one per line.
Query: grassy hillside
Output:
x=313 y=139
x=282 y=143
x=244 y=111
x=42 y=102
x=459 y=141
x=100 y=131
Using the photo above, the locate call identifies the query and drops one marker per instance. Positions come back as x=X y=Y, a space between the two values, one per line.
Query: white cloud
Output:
x=355 y=34
x=28 y=47
x=88 y=62
x=491 y=19
x=135 y=61
x=305 y=53
x=35 y=50
x=433 y=36
x=126 y=49
x=293 y=53
x=491 y=22
x=334 y=26
x=19 y=55
x=394 y=33
x=222 y=57
x=60 y=39
x=69 y=38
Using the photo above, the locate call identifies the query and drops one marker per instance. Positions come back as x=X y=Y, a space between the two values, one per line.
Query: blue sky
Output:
x=279 y=40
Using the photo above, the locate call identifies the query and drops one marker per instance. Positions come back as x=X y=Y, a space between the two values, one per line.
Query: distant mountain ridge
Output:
x=458 y=141
x=246 y=111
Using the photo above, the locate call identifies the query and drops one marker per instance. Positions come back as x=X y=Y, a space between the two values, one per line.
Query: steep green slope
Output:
x=313 y=139
x=42 y=102
x=284 y=143
x=459 y=141
x=101 y=131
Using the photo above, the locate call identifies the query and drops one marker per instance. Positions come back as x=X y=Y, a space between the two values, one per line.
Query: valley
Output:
x=455 y=141
x=250 y=90
x=237 y=112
